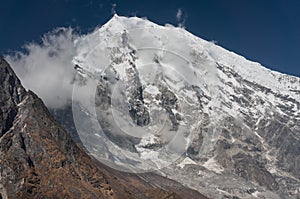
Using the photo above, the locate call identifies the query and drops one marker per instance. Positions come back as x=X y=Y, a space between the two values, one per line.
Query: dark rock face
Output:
x=137 y=110
x=11 y=93
x=103 y=104
x=248 y=169
x=169 y=101
x=39 y=159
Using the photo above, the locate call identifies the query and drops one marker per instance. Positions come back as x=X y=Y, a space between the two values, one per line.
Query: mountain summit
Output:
x=206 y=117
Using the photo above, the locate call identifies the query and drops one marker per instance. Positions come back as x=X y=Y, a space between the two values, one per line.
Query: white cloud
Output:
x=47 y=68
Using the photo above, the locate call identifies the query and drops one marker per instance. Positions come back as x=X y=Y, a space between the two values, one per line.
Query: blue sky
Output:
x=266 y=31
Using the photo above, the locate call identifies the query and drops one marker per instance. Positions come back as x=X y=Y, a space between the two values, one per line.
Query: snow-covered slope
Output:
x=145 y=34
x=197 y=61
x=152 y=96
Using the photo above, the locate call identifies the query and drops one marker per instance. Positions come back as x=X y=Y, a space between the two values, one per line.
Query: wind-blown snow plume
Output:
x=113 y=8
x=179 y=14
x=180 y=17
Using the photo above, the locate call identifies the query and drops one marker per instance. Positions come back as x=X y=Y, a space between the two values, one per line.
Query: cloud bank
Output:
x=47 y=68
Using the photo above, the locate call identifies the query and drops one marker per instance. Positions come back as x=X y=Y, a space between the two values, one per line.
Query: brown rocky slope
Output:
x=38 y=158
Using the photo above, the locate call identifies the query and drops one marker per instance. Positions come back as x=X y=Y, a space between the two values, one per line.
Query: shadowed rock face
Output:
x=38 y=158
x=11 y=93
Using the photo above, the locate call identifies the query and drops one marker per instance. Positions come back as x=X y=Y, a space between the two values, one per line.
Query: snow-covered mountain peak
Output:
x=159 y=92
x=136 y=56
x=202 y=57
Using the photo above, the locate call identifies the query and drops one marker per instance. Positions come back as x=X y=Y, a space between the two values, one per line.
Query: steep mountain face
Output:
x=205 y=116
x=38 y=158
x=11 y=94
